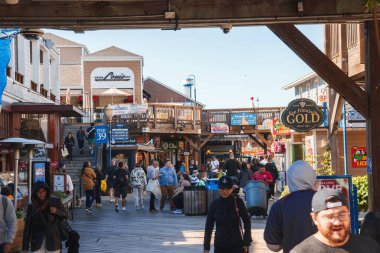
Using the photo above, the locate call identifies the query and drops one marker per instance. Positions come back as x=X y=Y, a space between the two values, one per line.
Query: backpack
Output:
x=120 y=177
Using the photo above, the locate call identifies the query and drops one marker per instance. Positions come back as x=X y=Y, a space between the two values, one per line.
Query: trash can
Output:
x=212 y=191
x=194 y=198
x=256 y=197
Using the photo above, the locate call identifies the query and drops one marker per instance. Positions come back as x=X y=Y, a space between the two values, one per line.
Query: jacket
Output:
x=88 y=177
x=232 y=167
x=138 y=177
x=223 y=213
x=42 y=224
x=8 y=222
x=69 y=142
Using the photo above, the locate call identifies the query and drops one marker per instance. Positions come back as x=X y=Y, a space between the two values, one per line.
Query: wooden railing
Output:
x=43 y=91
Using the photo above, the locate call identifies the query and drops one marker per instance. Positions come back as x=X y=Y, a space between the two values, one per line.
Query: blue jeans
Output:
x=90 y=197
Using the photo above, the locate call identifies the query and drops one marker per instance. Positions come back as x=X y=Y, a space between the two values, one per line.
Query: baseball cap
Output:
x=225 y=182
x=320 y=200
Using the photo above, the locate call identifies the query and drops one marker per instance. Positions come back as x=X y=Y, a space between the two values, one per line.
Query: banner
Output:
x=125 y=109
x=341 y=184
x=5 y=53
x=243 y=119
x=219 y=128
x=359 y=157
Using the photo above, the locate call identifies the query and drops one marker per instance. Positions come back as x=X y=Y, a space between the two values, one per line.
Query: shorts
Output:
x=121 y=190
x=91 y=140
x=110 y=184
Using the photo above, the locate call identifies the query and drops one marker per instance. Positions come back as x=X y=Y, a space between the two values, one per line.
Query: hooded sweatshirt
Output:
x=288 y=226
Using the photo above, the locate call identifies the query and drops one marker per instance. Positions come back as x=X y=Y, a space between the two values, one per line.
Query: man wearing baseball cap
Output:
x=331 y=215
x=227 y=212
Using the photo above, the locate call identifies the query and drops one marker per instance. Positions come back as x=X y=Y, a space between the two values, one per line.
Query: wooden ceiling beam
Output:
x=191 y=13
x=323 y=66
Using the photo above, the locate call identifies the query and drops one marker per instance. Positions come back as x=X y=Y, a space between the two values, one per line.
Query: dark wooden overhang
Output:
x=44 y=108
x=83 y=15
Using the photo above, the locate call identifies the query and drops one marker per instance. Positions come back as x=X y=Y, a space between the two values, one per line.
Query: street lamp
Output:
x=108 y=111
x=191 y=79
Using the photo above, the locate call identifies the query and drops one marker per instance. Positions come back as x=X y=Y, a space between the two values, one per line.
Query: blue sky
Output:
x=229 y=68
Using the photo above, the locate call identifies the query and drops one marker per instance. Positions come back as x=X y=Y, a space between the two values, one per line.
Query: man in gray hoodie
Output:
x=289 y=221
x=8 y=224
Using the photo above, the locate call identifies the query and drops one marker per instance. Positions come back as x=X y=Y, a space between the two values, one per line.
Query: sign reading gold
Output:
x=302 y=115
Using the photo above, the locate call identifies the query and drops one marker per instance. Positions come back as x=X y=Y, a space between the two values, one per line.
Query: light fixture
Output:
x=11 y=1
x=108 y=111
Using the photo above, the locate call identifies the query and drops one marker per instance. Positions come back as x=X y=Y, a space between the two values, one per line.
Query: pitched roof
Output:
x=113 y=51
x=59 y=41
x=300 y=81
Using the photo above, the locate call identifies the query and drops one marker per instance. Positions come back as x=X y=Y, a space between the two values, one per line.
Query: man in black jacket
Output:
x=272 y=169
x=226 y=213
x=232 y=167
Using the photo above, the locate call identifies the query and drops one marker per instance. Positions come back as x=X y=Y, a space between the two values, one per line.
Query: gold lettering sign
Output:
x=302 y=115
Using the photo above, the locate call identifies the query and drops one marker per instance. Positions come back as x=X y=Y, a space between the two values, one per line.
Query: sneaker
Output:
x=137 y=207
x=124 y=209
x=173 y=211
x=116 y=208
x=142 y=207
x=153 y=211
x=178 y=211
x=88 y=211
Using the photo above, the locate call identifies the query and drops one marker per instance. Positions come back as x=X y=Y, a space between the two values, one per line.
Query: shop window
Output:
x=34 y=126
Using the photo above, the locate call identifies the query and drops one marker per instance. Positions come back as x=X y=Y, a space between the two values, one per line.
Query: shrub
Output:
x=362 y=185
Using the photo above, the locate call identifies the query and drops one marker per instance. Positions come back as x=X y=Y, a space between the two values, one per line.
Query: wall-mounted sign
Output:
x=279 y=129
x=359 y=157
x=170 y=145
x=39 y=172
x=125 y=109
x=243 y=119
x=101 y=134
x=112 y=77
x=267 y=124
x=219 y=128
x=302 y=115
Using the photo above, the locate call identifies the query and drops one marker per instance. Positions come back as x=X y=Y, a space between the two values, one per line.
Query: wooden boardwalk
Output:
x=140 y=231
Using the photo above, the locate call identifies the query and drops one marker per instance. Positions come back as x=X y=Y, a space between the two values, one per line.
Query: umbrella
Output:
x=114 y=91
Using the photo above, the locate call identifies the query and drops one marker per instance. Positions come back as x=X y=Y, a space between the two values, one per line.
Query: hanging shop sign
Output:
x=278 y=147
x=243 y=119
x=302 y=115
x=279 y=129
x=219 y=128
x=125 y=109
x=359 y=157
x=115 y=77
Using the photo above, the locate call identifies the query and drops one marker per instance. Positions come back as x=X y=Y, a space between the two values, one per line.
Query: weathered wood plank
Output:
x=322 y=65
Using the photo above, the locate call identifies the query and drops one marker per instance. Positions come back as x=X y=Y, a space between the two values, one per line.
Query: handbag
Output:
x=65 y=152
x=103 y=185
x=246 y=250
x=64 y=229
x=153 y=186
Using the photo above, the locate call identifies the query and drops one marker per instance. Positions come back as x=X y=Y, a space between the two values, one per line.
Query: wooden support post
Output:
x=322 y=65
x=209 y=137
x=372 y=79
x=190 y=141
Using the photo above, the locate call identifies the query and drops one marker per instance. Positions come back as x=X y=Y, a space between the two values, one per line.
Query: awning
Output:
x=147 y=148
x=47 y=108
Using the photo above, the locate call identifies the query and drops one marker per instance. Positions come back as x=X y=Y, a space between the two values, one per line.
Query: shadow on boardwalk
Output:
x=141 y=231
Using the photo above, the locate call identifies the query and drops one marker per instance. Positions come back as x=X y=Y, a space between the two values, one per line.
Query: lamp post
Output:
x=108 y=111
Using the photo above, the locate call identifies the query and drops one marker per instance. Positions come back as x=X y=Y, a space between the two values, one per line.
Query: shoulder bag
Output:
x=246 y=250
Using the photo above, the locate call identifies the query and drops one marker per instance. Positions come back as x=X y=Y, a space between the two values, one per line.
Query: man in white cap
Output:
x=289 y=220
x=331 y=215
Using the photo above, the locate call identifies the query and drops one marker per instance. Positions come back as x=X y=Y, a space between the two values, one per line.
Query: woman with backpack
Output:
x=88 y=176
x=121 y=177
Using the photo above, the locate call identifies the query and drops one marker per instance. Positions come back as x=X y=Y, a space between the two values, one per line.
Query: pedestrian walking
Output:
x=168 y=181
x=8 y=220
x=110 y=181
x=152 y=175
x=178 y=194
x=227 y=212
x=121 y=177
x=81 y=137
x=289 y=221
x=213 y=167
x=232 y=167
x=70 y=143
x=138 y=181
x=97 y=182
x=272 y=169
x=245 y=174
x=331 y=215
x=91 y=137
x=88 y=176
x=42 y=221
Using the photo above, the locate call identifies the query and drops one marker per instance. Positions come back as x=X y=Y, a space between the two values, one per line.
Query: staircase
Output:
x=74 y=167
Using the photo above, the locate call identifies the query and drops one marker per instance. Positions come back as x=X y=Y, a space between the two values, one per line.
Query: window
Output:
x=41 y=57
x=34 y=126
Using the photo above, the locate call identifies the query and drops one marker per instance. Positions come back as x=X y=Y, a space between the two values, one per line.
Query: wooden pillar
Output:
x=197 y=152
x=372 y=79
